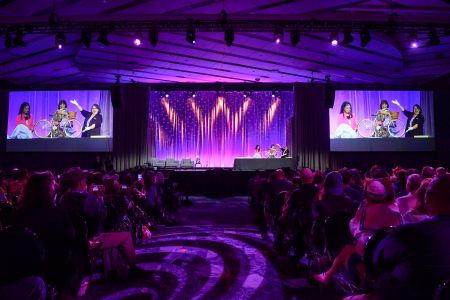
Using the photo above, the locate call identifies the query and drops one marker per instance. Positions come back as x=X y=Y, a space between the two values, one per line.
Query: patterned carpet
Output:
x=216 y=252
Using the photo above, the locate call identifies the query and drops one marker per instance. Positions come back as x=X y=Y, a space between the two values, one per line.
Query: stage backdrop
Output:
x=44 y=103
x=217 y=126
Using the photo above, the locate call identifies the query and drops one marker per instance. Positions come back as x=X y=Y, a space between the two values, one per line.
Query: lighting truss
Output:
x=217 y=26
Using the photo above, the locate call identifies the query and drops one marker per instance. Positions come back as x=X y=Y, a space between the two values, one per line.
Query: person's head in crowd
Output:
x=74 y=179
x=306 y=176
x=355 y=177
x=428 y=172
x=318 y=178
x=111 y=186
x=420 y=195
x=333 y=184
x=346 y=176
x=159 y=178
x=376 y=192
x=279 y=174
x=372 y=170
x=296 y=182
x=95 y=178
x=437 y=198
x=441 y=171
x=62 y=104
x=126 y=178
x=412 y=171
x=401 y=180
x=413 y=183
x=149 y=179
x=24 y=109
x=38 y=191
x=18 y=174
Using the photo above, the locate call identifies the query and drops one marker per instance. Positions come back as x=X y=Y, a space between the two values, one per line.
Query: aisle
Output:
x=216 y=252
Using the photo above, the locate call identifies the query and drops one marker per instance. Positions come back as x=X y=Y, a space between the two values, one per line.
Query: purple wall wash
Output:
x=44 y=103
x=217 y=126
x=365 y=104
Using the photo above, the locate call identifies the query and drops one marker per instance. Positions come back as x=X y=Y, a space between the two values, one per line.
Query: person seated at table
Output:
x=257 y=153
x=272 y=152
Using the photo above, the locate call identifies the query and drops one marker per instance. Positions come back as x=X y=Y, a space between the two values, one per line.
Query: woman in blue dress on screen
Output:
x=415 y=119
x=346 y=122
x=92 y=120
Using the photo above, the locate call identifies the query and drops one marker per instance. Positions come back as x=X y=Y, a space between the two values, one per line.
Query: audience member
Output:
x=409 y=201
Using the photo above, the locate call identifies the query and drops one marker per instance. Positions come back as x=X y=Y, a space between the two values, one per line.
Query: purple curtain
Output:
x=44 y=103
x=365 y=104
x=217 y=126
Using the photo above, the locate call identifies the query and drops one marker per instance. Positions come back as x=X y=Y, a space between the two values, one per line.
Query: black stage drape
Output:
x=311 y=143
x=130 y=127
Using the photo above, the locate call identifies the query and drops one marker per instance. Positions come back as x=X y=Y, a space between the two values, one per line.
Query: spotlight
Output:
x=413 y=41
x=273 y=95
x=278 y=36
x=334 y=36
x=18 y=40
x=60 y=40
x=190 y=36
x=153 y=37
x=137 y=40
x=86 y=37
x=8 y=41
x=434 y=39
x=103 y=38
x=245 y=94
x=348 y=37
x=364 y=37
x=229 y=37
x=295 y=37
x=167 y=95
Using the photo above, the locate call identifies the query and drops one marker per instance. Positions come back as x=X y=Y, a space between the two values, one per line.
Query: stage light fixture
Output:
x=60 y=40
x=103 y=38
x=334 y=36
x=295 y=37
x=348 y=37
x=153 y=37
x=8 y=41
x=86 y=37
x=18 y=40
x=413 y=41
x=278 y=36
x=434 y=39
x=137 y=39
x=190 y=36
x=229 y=36
x=364 y=37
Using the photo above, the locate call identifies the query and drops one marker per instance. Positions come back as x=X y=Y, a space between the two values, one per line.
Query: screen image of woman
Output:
x=58 y=117
x=92 y=120
x=24 y=123
x=346 y=122
x=415 y=119
x=383 y=116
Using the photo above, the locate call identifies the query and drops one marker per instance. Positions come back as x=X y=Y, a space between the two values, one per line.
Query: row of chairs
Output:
x=171 y=163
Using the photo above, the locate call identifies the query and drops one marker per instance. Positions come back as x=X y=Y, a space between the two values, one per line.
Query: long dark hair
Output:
x=98 y=107
x=22 y=107
x=62 y=101
x=343 y=105
x=38 y=190
x=384 y=102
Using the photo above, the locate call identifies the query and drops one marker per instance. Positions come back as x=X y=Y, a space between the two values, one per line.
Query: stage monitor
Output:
x=60 y=121
x=363 y=120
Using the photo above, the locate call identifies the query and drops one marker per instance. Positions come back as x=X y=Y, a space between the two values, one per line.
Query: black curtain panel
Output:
x=311 y=142
x=130 y=127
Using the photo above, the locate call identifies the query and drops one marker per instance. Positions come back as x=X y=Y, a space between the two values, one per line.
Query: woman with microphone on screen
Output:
x=92 y=120
x=415 y=119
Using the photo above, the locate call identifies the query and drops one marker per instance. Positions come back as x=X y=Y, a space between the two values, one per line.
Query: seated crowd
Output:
x=53 y=225
x=381 y=235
